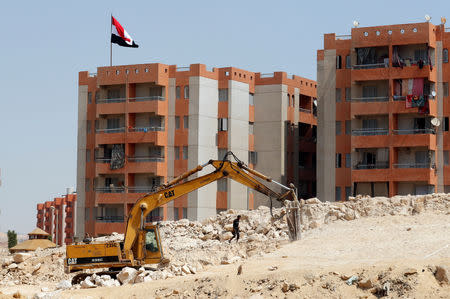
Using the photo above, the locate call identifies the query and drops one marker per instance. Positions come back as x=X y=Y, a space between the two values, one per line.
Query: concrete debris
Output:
x=442 y=274
x=21 y=257
x=64 y=284
x=127 y=275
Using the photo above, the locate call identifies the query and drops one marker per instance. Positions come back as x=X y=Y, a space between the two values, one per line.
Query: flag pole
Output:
x=110 y=43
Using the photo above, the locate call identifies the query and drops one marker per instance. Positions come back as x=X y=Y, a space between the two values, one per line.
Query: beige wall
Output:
x=326 y=126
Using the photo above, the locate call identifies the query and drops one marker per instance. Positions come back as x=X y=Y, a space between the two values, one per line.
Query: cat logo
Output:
x=169 y=194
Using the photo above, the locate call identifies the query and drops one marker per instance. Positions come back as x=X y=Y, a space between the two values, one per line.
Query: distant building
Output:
x=36 y=239
x=142 y=125
x=57 y=217
x=381 y=91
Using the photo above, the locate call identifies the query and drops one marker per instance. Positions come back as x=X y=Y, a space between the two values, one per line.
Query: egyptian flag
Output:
x=120 y=36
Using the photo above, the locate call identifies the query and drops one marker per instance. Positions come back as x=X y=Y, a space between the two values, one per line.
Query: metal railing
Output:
x=413 y=131
x=141 y=189
x=399 y=98
x=343 y=37
x=304 y=110
x=146 y=159
x=110 y=218
x=145 y=129
x=109 y=189
x=377 y=165
x=110 y=131
x=415 y=165
x=106 y=101
x=370 y=66
x=370 y=99
x=148 y=98
x=370 y=132
x=102 y=160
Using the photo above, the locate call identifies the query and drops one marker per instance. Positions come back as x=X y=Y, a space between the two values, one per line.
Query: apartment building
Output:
x=383 y=111
x=142 y=125
x=57 y=217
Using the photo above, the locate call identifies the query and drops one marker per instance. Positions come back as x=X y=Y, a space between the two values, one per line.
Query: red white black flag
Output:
x=120 y=36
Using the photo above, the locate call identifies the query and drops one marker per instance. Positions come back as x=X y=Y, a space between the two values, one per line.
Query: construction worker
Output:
x=235 y=231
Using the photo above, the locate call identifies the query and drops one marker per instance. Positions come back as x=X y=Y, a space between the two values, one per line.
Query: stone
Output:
x=20 y=257
x=64 y=285
x=192 y=269
x=410 y=271
x=12 y=266
x=313 y=200
x=442 y=274
x=87 y=284
x=226 y=236
x=36 y=268
x=285 y=287
x=228 y=227
x=365 y=284
x=239 y=270
x=127 y=275
x=40 y=296
x=314 y=224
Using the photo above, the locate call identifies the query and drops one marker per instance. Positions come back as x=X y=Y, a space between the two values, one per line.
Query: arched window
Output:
x=445 y=55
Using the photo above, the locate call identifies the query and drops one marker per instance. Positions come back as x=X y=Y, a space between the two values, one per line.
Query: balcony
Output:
x=112 y=100
x=370 y=99
x=416 y=165
x=370 y=132
x=155 y=135
x=110 y=219
x=145 y=99
x=141 y=189
x=414 y=131
x=110 y=130
x=371 y=66
x=145 y=129
x=376 y=165
x=109 y=189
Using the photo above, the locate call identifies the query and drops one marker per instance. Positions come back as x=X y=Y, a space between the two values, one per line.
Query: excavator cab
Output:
x=152 y=244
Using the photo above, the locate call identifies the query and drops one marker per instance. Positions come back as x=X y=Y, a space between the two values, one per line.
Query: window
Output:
x=251 y=99
x=97 y=96
x=150 y=241
x=338 y=62
x=348 y=192
x=177 y=92
x=251 y=128
x=177 y=122
x=445 y=55
x=185 y=213
x=348 y=62
x=89 y=97
x=222 y=185
x=185 y=152
x=348 y=160
x=177 y=152
x=338 y=160
x=370 y=123
x=445 y=87
x=338 y=95
x=348 y=127
x=186 y=121
x=88 y=126
x=338 y=194
x=88 y=155
x=302 y=159
x=446 y=157
x=289 y=100
x=252 y=158
x=293 y=101
x=223 y=95
x=445 y=125
x=369 y=91
x=348 y=94
x=223 y=124
x=113 y=123
x=338 y=128
x=87 y=185
x=86 y=214
x=176 y=216
x=186 y=92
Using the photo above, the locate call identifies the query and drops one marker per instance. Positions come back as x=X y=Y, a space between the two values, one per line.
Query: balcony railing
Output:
x=107 y=101
x=102 y=160
x=145 y=129
x=399 y=98
x=110 y=131
x=146 y=159
x=370 y=132
x=141 y=189
x=415 y=165
x=110 y=189
x=144 y=99
x=304 y=110
x=109 y=218
x=370 y=99
x=377 y=165
x=370 y=66
x=414 y=131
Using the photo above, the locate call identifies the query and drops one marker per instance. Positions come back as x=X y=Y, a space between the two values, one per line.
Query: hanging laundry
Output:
x=410 y=86
x=417 y=89
x=420 y=63
x=425 y=109
x=429 y=58
x=405 y=87
x=415 y=101
x=408 y=101
x=397 y=87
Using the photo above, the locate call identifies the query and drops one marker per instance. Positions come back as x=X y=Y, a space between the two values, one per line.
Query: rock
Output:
x=21 y=257
x=273 y=268
x=185 y=269
x=207 y=229
x=314 y=224
x=442 y=274
x=87 y=284
x=226 y=236
x=365 y=284
x=45 y=289
x=351 y=280
x=12 y=266
x=239 y=270
x=127 y=275
x=40 y=296
x=410 y=271
x=36 y=268
x=285 y=287
x=313 y=200
x=63 y=285
x=192 y=269
x=228 y=227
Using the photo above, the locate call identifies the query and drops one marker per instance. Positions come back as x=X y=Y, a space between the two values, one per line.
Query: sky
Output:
x=46 y=43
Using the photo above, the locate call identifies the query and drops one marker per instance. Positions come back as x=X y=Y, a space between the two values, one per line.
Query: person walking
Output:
x=235 y=231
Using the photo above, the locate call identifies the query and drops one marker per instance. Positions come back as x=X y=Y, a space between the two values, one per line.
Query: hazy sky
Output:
x=46 y=43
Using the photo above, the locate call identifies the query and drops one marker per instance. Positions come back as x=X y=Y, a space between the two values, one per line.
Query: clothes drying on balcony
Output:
x=117 y=157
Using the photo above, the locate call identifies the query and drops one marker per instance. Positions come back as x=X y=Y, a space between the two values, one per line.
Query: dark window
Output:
x=338 y=194
x=177 y=122
x=177 y=152
x=338 y=95
x=251 y=99
x=302 y=159
x=223 y=124
x=338 y=128
x=186 y=92
x=348 y=160
x=88 y=155
x=89 y=97
x=88 y=126
x=338 y=160
x=348 y=127
x=348 y=62
x=252 y=158
x=348 y=94
x=445 y=87
x=185 y=152
x=446 y=157
x=186 y=122
x=223 y=95
x=178 y=92
x=338 y=62
x=445 y=55
x=445 y=126
x=348 y=192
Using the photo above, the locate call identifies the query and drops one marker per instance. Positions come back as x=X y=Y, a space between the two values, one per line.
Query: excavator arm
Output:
x=237 y=171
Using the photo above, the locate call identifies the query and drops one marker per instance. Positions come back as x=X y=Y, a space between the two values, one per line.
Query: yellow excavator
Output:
x=142 y=243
